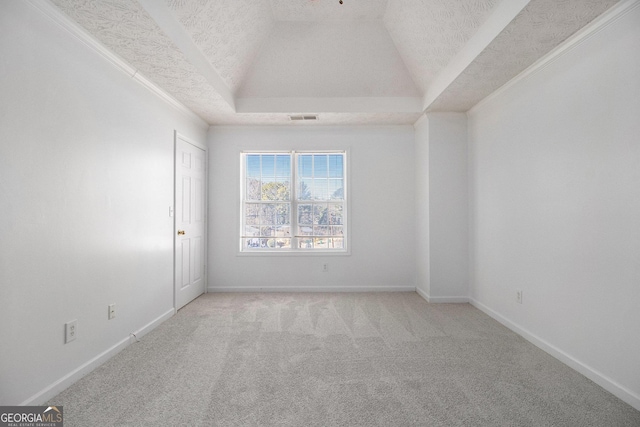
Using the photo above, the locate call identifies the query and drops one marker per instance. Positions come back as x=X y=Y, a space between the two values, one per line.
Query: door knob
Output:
x=180 y=232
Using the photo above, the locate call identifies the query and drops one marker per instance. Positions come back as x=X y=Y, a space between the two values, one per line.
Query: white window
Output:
x=293 y=202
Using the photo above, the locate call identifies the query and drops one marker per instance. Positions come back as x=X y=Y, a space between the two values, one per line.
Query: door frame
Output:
x=178 y=136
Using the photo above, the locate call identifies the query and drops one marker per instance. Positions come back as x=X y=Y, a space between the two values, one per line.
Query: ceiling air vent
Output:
x=303 y=118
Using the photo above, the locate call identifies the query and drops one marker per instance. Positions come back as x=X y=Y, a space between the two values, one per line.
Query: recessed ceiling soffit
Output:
x=536 y=30
x=126 y=28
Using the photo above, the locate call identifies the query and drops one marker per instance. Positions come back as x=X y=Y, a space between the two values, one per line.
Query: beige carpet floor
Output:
x=340 y=359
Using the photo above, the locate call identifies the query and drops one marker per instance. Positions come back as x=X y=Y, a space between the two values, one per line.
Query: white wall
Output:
x=86 y=181
x=421 y=135
x=442 y=207
x=381 y=215
x=555 y=197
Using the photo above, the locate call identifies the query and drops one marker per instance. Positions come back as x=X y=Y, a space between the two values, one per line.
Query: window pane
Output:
x=283 y=243
x=253 y=165
x=251 y=243
x=266 y=231
x=304 y=192
x=284 y=190
x=320 y=215
x=320 y=168
x=283 y=231
x=268 y=165
x=304 y=215
x=305 y=243
x=335 y=243
x=268 y=213
x=305 y=230
x=253 y=189
x=305 y=166
x=252 y=212
x=320 y=189
x=274 y=190
x=252 y=230
x=335 y=214
x=275 y=214
x=320 y=230
x=336 y=230
x=283 y=165
x=283 y=214
x=336 y=189
x=335 y=166
x=320 y=243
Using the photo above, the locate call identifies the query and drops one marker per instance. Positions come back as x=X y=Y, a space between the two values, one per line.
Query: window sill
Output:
x=293 y=253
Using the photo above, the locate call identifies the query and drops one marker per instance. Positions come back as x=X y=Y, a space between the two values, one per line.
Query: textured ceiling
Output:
x=328 y=59
x=328 y=10
x=125 y=28
x=376 y=61
x=429 y=33
x=228 y=32
x=540 y=27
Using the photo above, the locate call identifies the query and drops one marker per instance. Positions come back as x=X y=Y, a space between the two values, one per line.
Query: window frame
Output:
x=293 y=203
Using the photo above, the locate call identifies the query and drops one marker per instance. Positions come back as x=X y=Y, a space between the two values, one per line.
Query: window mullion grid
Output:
x=313 y=203
x=294 y=200
x=243 y=199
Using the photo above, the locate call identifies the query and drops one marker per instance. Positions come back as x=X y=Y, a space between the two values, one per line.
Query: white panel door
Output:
x=190 y=176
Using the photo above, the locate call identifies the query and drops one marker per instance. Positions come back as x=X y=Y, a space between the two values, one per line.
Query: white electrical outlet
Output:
x=325 y=267
x=112 y=311
x=519 y=296
x=70 y=331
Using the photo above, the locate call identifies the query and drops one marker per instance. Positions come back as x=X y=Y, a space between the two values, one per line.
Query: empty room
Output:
x=320 y=212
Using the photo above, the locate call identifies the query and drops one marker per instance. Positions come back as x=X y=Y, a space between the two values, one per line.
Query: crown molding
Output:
x=48 y=9
x=603 y=21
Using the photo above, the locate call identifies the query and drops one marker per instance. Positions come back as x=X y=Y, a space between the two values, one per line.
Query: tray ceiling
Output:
x=362 y=62
x=328 y=10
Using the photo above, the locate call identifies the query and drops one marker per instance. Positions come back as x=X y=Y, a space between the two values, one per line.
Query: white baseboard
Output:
x=315 y=289
x=442 y=300
x=73 y=376
x=154 y=323
x=422 y=293
x=449 y=300
x=597 y=377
